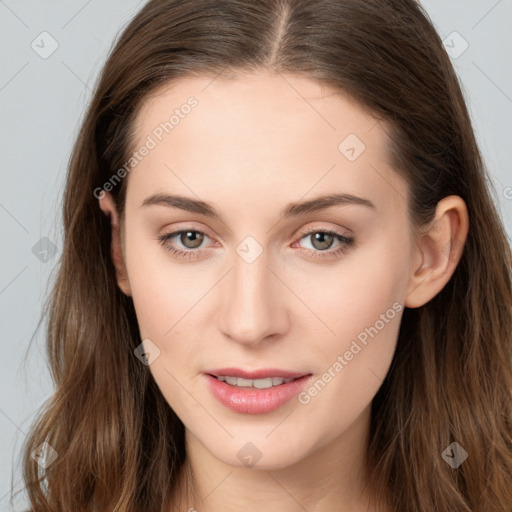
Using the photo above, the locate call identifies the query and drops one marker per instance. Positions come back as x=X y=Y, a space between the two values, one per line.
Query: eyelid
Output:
x=299 y=234
x=342 y=231
x=187 y=227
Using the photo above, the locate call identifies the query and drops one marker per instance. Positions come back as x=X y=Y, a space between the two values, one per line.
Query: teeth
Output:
x=256 y=383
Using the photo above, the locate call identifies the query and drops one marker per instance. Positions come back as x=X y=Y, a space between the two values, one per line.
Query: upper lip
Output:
x=261 y=373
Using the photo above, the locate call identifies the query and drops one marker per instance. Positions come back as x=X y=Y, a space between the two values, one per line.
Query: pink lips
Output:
x=262 y=373
x=252 y=400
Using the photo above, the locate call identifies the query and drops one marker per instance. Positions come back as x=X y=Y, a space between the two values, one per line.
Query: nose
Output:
x=254 y=303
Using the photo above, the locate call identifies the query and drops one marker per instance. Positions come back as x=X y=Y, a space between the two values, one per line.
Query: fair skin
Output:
x=250 y=147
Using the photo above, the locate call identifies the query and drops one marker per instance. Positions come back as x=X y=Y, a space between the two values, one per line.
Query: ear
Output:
x=438 y=251
x=108 y=207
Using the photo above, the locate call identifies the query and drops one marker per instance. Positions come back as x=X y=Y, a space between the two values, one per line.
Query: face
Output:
x=266 y=284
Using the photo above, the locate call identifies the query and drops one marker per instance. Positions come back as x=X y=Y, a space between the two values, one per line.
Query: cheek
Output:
x=361 y=306
x=163 y=289
x=363 y=309
x=353 y=295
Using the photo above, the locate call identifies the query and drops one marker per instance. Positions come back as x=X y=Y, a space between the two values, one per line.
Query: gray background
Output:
x=42 y=98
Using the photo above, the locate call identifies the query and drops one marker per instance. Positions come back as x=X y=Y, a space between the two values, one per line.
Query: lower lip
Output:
x=255 y=401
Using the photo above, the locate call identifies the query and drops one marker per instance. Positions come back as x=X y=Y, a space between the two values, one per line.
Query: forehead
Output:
x=258 y=131
x=284 y=104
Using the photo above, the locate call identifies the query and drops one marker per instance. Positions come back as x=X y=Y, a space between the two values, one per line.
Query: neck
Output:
x=329 y=477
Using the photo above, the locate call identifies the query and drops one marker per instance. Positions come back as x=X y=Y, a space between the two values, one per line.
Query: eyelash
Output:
x=346 y=243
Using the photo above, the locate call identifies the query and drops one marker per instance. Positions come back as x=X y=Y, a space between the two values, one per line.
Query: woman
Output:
x=284 y=283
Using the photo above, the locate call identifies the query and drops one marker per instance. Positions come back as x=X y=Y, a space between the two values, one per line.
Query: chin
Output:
x=255 y=452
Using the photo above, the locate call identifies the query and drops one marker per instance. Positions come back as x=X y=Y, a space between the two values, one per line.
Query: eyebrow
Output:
x=291 y=210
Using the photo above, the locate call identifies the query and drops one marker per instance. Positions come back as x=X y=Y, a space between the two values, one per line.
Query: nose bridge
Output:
x=251 y=310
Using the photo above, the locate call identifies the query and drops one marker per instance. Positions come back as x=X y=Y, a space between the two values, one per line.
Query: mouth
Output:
x=263 y=378
x=255 y=392
x=266 y=383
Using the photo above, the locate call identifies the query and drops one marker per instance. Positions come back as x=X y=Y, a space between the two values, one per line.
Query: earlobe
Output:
x=438 y=252
x=108 y=207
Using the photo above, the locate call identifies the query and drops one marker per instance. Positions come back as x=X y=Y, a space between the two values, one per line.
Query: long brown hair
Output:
x=120 y=446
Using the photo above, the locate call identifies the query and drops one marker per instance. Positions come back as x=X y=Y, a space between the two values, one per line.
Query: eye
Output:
x=322 y=240
x=190 y=238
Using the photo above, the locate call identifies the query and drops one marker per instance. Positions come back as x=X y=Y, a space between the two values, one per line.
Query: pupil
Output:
x=319 y=236
x=197 y=239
